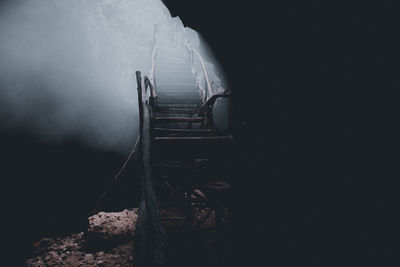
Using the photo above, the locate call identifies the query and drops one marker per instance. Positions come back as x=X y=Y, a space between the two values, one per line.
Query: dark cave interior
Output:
x=314 y=111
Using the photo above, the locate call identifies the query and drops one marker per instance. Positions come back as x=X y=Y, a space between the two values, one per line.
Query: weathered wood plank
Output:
x=181 y=132
x=179 y=119
x=194 y=101
x=192 y=138
x=167 y=110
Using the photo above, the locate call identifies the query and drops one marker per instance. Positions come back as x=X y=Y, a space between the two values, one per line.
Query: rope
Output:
x=134 y=149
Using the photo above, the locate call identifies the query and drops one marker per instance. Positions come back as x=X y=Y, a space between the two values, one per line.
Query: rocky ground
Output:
x=109 y=239
x=108 y=242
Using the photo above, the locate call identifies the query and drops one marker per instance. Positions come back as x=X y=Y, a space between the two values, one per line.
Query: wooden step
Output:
x=171 y=54
x=185 y=115
x=179 y=166
x=180 y=119
x=170 y=50
x=172 y=65
x=167 y=111
x=178 y=106
x=161 y=101
x=177 y=89
x=160 y=68
x=160 y=72
x=177 y=83
x=173 y=60
x=174 y=77
x=181 y=98
x=168 y=94
x=193 y=138
x=169 y=78
x=181 y=132
x=169 y=87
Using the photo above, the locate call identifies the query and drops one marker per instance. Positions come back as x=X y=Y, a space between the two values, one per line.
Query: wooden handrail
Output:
x=198 y=84
x=153 y=65
x=207 y=107
x=150 y=234
x=140 y=97
x=211 y=101
x=203 y=65
x=143 y=84
x=149 y=84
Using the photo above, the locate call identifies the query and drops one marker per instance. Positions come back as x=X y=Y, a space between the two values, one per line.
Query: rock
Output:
x=112 y=225
x=73 y=251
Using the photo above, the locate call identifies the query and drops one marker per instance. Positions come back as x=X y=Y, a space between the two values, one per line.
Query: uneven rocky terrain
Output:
x=108 y=242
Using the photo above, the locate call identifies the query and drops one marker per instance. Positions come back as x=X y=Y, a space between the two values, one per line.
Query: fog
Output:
x=67 y=68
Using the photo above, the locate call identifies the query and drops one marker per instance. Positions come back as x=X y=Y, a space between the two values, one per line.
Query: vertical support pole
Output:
x=139 y=89
x=150 y=237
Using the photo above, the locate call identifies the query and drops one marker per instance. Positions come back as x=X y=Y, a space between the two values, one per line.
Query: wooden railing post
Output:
x=150 y=237
x=139 y=89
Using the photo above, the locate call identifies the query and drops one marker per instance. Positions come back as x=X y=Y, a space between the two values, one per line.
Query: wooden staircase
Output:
x=185 y=163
